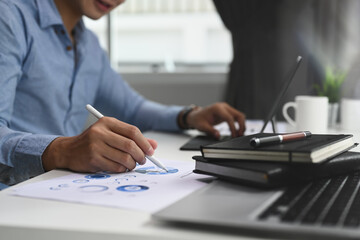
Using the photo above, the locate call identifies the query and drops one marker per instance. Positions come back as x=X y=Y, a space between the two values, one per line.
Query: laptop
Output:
x=324 y=209
x=201 y=140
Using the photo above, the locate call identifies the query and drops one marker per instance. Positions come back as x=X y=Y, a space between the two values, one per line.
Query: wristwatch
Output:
x=183 y=115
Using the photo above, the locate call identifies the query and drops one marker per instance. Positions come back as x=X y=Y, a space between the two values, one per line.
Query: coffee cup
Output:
x=311 y=113
x=350 y=114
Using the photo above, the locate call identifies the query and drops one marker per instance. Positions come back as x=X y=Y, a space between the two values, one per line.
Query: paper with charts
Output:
x=146 y=188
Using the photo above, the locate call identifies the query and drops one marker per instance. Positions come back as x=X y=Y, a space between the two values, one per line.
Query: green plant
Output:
x=331 y=85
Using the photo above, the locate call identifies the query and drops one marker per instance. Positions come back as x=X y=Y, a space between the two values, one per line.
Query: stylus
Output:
x=98 y=115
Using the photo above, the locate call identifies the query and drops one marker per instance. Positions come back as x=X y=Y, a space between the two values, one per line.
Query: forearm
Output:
x=155 y=116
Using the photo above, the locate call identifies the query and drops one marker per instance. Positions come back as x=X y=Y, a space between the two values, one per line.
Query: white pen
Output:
x=98 y=115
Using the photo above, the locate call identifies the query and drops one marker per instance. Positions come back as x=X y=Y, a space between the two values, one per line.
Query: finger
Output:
x=242 y=127
x=226 y=116
x=209 y=129
x=99 y=163
x=132 y=133
x=125 y=145
x=106 y=158
x=239 y=118
x=230 y=122
x=111 y=166
x=120 y=157
x=153 y=143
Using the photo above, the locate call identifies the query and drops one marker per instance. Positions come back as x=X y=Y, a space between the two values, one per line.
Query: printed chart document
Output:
x=146 y=188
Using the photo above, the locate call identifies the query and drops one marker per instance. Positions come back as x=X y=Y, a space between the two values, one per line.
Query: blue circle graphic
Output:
x=80 y=181
x=156 y=171
x=132 y=188
x=93 y=188
x=130 y=176
x=97 y=176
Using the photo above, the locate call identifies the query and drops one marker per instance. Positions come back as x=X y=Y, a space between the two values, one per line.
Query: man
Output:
x=51 y=66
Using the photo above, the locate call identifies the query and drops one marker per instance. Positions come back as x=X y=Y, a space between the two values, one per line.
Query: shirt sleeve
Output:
x=20 y=152
x=116 y=98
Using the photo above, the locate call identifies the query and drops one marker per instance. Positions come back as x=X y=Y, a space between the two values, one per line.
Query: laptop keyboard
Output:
x=327 y=202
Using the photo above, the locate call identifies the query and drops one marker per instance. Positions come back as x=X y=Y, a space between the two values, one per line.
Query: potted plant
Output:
x=331 y=88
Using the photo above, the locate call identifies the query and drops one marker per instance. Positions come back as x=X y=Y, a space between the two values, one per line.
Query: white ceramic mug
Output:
x=311 y=113
x=350 y=114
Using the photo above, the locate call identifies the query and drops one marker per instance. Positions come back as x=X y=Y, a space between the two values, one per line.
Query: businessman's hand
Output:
x=107 y=145
x=205 y=118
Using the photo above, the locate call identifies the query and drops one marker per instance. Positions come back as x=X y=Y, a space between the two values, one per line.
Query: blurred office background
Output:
x=171 y=51
x=181 y=51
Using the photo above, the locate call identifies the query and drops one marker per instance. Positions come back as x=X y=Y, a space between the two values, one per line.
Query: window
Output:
x=165 y=36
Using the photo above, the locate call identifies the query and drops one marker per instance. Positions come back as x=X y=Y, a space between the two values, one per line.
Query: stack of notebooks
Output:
x=319 y=156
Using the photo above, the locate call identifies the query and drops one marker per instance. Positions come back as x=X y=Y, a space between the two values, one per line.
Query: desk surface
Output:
x=26 y=218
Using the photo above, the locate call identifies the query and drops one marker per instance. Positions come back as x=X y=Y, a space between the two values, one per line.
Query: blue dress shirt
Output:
x=45 y=83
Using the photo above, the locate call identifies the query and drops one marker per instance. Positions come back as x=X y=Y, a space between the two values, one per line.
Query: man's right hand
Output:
x=108 y=145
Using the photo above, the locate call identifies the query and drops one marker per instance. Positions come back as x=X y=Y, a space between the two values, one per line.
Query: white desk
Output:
x=25 y=218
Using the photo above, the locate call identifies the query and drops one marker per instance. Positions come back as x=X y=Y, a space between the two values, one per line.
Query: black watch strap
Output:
x=186 y=112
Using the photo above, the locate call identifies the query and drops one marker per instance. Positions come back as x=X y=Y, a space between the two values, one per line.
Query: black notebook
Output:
x=276 y=174
x=315 y=149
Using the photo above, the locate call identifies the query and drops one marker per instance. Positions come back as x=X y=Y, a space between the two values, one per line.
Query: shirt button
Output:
x=62 y=32
x=68 y=48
